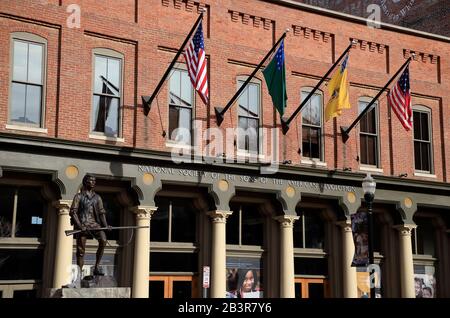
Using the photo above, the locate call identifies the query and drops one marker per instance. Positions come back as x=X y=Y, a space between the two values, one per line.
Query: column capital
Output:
x=405 y=229
x=346 y=225
x=62 y=206
x=143 y=212
x=219 y=216
x=286 y=220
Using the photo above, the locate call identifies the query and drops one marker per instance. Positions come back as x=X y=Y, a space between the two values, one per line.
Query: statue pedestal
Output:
x=105 y=292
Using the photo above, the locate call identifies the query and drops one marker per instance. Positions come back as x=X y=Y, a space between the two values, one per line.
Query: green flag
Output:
x=275 y=75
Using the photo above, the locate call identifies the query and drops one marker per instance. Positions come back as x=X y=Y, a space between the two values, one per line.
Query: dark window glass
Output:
x=156 y=289
x=27 y=83
x=316 y=290
x=173 y=262
x=248 y=121
x=252 y=226
x=25 y=294
x=183 y=221
x=113 y=209
x=20 y=264
x=368 y=135
x=6 y=210
x=311 y=226
x=312 y=126
x=298 y=233
x=314 y=230
x=422 y=142
x=377 y=235
x=106 y=99
x=180 y=107
x=425 y=237
x=159 y=231
x=298 y=290
x=310 y=266
x=30 y=210
x=232 y=226
x=182 y=289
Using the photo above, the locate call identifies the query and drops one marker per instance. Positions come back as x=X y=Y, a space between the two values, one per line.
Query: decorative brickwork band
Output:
x=249 y=19
x=308 y=32
x=373 y=46
x=420 y=56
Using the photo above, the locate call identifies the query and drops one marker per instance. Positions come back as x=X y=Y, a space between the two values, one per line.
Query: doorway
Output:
x=178 y=287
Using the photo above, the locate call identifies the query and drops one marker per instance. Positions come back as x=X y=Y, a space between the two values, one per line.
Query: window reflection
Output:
x=106 y=99
x=27 y=83
x=180 y=107
x=248 y=122
x=312 y=126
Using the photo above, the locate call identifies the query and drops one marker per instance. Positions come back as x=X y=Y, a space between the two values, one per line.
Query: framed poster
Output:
x=244 y=278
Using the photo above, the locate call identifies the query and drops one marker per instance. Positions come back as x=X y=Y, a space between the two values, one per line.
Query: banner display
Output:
x=360 y=231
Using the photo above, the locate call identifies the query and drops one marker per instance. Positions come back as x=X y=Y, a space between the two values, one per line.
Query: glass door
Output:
x=178 y=287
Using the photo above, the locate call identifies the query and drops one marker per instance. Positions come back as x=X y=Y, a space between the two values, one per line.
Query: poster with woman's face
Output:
x=424 y=281
x=244 y=278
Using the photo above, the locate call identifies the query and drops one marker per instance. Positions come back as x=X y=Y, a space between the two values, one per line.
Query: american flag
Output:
x=400 y=100
x=196 y=62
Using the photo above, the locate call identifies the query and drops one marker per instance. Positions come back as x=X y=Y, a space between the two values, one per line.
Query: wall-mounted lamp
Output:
x=403 y=175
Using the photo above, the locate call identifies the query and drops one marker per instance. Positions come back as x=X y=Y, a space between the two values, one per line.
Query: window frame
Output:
x=376 y=105
x=428 y=111
x=109 y=54
x=181 y=67
x=28 y=38
x=245 y=152
x=318 y=92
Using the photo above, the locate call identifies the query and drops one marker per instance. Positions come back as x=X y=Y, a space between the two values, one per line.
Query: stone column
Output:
x=141 y=264
x=349 y=278
x=218 y=253
x=64 y=245
x=287 y=276
x=406 y=260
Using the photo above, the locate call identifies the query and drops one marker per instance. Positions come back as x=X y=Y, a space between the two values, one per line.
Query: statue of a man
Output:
x=87 y=213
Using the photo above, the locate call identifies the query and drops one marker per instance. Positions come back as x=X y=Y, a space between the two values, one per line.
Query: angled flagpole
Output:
x=346 y=130
x=147 y=100
x=285 y=123
x=221 y=111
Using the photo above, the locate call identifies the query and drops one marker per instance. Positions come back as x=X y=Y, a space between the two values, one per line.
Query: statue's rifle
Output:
x=71 y=232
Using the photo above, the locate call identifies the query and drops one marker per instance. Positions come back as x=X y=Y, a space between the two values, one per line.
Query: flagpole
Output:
x=285 y=123
x=346 y=130
x=147 y=100
x=221 y=111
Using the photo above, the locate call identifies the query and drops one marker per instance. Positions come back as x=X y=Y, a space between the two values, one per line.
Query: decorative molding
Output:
x=420 y=56
x=188 y=5
x=405 y=229
x=345 y=225
x=219 y=216
x=143 y=212
x=62 y=206
x=249 y=19
x=286 y=220
x=373 y=46
x=316 y=34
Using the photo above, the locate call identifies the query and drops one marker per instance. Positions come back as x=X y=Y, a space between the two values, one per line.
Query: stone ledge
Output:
x=110 y=292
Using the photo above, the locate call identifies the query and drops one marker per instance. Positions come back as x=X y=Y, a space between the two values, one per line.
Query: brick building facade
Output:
x=62 y=137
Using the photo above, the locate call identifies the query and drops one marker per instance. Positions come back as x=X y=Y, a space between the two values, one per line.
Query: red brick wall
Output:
x=237 y=35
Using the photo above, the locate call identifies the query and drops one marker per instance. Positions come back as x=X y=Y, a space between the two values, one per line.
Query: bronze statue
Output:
x=88 y=214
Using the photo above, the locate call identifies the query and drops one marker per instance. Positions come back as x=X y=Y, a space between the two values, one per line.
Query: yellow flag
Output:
x=338 y=89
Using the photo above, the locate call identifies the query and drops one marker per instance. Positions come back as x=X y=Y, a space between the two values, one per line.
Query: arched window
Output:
x=368 y=133
x=107 y=93
x=28 y=69
x=181 y=106
x=423 y=154
x=312 y=122
x=249 y=117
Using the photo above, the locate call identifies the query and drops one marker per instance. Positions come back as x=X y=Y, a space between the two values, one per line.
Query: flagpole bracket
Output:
x=219 y=115
x=344 y=134
x=147 y=104
x=284 y=126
